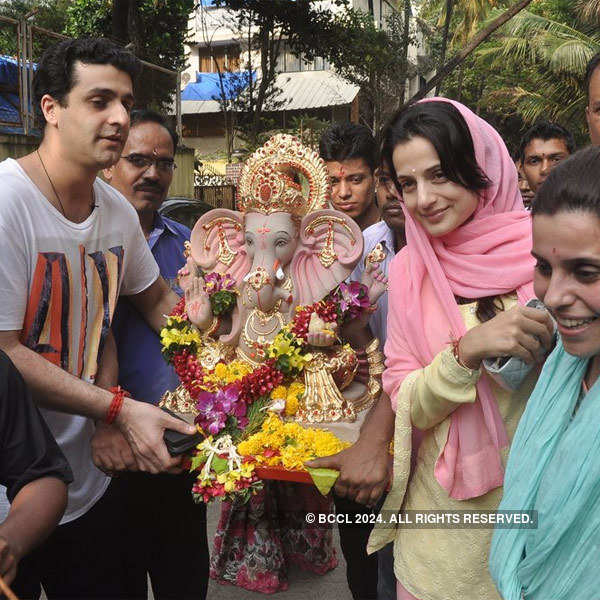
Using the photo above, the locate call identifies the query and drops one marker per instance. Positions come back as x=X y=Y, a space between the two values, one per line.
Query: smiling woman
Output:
x=457 y=289
x=553 y=467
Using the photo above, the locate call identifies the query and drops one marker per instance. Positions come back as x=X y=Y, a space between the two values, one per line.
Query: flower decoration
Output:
x=223 y=473
x=288 y=352
x=235 y=401
x=215 y=409
x=352 y=299
x=289 y=444
x=221 y=292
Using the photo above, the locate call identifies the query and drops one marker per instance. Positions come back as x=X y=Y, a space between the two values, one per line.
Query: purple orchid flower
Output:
x=214 y=408
x=351 y=295
x=227 y=282
x=215 y=282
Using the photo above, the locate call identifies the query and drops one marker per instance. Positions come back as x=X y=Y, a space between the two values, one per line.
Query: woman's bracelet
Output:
x=456 y=355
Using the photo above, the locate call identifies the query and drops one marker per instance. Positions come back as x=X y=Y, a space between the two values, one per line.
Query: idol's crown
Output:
x=272 y=179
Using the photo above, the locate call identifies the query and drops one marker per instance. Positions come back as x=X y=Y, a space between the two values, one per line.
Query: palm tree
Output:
x=558 y=53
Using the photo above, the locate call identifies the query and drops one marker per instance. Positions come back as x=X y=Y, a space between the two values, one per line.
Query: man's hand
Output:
x=8 y=560
x=365 y=471
x=143 y=426
x=110 y=450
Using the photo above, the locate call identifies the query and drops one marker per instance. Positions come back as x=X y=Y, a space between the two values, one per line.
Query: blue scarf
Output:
x=554 y=468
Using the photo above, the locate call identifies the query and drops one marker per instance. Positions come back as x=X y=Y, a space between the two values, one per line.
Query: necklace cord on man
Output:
x=62 y=208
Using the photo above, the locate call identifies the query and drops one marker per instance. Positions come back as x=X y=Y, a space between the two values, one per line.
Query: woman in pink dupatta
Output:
x=458 y=289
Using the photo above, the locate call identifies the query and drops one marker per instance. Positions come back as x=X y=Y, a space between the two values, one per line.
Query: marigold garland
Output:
x=288 y=444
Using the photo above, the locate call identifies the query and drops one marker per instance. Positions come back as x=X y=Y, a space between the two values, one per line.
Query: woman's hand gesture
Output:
x=521 y=331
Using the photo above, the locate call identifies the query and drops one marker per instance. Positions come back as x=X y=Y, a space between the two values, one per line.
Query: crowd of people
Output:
x=93 y=503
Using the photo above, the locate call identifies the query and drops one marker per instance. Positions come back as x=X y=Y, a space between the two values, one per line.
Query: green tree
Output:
x=376 y=59
x=262 y=26
x=49 y=14
x=155 y=30
x=555 y=45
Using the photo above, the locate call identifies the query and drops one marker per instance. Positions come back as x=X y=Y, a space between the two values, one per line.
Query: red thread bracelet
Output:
x=119 y=394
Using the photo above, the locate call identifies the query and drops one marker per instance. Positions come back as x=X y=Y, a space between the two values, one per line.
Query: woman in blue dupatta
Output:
x=554 y=463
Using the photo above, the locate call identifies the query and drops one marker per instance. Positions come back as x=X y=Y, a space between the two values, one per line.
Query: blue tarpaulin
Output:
x=9 y=79
x=9 y=97
x=207 y=86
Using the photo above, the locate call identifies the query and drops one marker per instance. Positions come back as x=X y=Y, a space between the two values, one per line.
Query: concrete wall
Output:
x=15 y=146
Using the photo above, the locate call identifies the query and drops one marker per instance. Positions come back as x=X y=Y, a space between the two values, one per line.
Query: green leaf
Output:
x=323 y=479
x=219 y=465
x=197 y=461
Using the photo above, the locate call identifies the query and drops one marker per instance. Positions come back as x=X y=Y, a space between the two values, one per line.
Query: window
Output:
x=227 y=58
x=288 y=62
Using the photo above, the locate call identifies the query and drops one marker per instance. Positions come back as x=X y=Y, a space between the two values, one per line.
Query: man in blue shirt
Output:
x=166 y=530
x=389 y=232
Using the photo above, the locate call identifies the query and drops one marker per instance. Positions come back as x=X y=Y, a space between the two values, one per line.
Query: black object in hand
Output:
x=179 y=443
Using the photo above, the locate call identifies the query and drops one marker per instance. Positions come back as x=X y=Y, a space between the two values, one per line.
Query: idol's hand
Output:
x=197 y=304
x=375 y=280
x=521 y=331
x=187 y=273
x=321 y=339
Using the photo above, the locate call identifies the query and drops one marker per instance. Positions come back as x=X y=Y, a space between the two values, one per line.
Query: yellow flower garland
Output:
x=294 y=444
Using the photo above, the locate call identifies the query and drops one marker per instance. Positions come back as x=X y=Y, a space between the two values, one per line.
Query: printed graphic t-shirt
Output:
x=59 y=285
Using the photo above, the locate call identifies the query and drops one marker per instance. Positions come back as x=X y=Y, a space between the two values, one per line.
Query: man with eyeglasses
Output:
x=166 y=530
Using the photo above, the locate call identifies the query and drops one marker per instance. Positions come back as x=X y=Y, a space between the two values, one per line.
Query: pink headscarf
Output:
x=489 y=255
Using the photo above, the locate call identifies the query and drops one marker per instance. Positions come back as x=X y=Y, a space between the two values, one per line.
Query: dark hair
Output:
x=589 y=71
x=544 y=130
x=150 y=116
x=573 y=185
x=54 y=74
x=346 y=141
x=441 y=124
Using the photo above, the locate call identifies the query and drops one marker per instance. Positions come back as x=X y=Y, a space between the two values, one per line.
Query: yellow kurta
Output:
x=442 y=564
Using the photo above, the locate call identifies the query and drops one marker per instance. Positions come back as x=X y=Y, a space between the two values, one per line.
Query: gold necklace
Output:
x=263 y=319
x=258 y=345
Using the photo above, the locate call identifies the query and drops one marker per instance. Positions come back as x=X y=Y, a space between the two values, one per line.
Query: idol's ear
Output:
x=218 y=244
x=329 y=248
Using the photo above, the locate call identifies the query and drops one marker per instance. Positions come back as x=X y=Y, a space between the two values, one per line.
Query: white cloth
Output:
x=377 y=233
x=59 y=284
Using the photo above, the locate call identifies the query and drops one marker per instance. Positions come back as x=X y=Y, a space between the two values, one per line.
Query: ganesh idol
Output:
x=285 y=248
x=282 y=252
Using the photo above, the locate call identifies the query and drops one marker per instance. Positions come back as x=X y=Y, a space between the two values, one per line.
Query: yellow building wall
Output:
x=15 y=146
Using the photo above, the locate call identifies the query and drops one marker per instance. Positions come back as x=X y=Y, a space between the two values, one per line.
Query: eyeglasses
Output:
x=140 y=161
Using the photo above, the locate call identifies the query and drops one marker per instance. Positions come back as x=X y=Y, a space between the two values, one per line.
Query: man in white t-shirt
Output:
x=69 y=246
